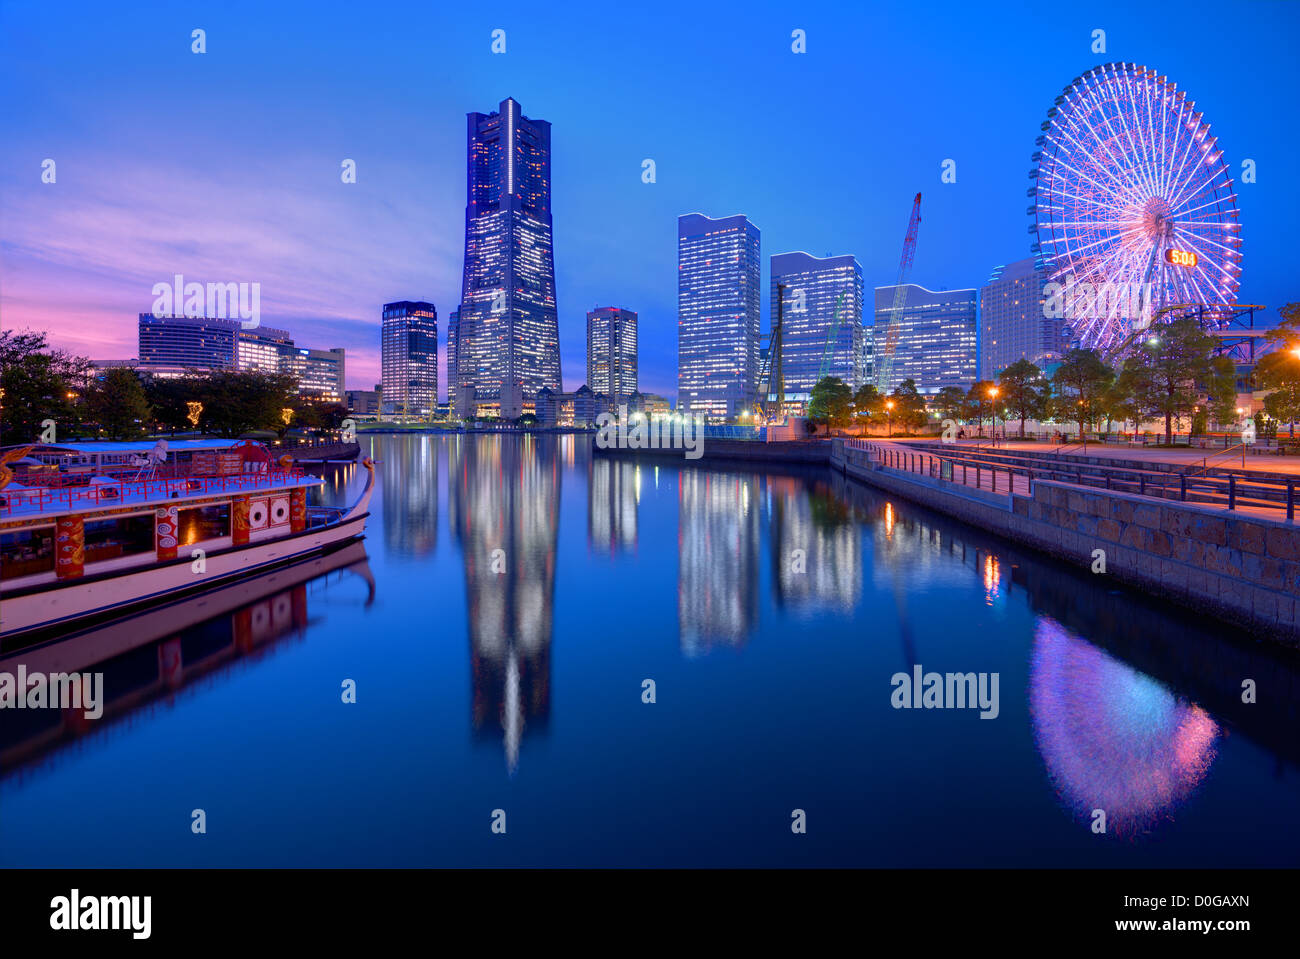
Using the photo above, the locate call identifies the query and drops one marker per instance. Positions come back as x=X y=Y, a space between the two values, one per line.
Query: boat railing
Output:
x=39 y=499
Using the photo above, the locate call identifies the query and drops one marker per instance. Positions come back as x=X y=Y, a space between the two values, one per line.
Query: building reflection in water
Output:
x=717 y=555
x=816 y=547
x=1112 y=737
x=505 y=505
x=613 y=492
x=409 y=474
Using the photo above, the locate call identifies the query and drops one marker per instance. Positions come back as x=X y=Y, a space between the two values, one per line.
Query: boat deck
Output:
x=23 y=502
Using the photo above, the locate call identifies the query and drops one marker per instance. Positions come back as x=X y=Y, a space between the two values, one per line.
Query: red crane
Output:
x=885 y=360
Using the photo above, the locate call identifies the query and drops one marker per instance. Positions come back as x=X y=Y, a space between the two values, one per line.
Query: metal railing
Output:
x=1232 y=491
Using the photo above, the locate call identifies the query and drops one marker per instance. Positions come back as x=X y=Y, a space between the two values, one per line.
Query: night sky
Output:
x=225 y=166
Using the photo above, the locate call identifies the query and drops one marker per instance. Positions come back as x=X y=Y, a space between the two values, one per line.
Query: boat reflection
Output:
x=151 y=656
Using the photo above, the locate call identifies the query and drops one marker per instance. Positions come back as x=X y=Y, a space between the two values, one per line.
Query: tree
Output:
x=117 y=403
x=976 y=398
x=1174 y=370
x=909 y=406
x=169 y=398
x=1117 y=403
x=1079 y=384
x=1279 y=370
x=1024 y=391
x=39 y=384
x=867 y=403
x=831 y=402
x=239 y=401
x=950 y=403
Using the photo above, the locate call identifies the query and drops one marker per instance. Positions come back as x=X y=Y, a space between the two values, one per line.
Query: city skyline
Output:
x=81 y=254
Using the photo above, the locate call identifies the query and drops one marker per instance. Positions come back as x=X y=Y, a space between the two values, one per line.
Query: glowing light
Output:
x=195 y=412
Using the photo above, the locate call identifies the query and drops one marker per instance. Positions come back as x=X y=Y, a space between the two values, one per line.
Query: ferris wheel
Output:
x=1133 y=209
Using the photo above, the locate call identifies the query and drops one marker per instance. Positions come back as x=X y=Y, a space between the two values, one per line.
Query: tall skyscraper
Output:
x=815 y=338
x=507 y=332
x=1012 y=324
x=409 y=358
x=718 y=277
x=936 y=337
x=612 y=353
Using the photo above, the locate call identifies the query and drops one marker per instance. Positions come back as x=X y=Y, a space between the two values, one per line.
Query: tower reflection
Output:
x=816 y=547
x=410 y=496
x=504 y=497
x=717 y=555
x=613 y=492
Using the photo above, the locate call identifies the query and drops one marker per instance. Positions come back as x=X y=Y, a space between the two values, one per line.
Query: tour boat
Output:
x=145 y=526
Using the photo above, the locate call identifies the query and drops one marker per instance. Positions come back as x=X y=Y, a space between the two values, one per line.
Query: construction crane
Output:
x=885 y=360
x=832 y=338
x=771 y=373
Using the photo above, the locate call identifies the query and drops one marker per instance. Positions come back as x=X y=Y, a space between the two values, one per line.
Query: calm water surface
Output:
x=511 y=598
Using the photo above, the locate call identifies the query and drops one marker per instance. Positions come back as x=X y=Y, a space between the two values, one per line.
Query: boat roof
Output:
x=28 y=502
x=133 y=446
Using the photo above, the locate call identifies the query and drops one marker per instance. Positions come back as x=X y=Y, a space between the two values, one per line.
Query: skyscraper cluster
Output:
x=171 y=345
x=503 y=337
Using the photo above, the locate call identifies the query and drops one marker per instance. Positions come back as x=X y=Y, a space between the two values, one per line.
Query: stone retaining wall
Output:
x=1243 y=569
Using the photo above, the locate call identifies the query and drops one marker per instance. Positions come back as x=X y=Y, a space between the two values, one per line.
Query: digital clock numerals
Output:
x=1180 y=257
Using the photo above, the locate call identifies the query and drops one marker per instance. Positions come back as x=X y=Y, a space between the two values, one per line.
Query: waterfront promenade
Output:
x=1232 y=554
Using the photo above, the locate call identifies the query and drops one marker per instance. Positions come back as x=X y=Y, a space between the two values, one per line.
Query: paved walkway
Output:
x=901 y=456
x=990 y=480
x=1263 y=462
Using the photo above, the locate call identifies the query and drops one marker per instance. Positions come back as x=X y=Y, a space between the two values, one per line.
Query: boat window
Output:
x=204 y=522
x=124 y=536
x=26 y=552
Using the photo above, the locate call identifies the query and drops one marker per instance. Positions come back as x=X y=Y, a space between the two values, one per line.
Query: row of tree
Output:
x=1171 y=373
x=41 y=384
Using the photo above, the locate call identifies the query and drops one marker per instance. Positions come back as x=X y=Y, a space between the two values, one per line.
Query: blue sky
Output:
x=225 y=166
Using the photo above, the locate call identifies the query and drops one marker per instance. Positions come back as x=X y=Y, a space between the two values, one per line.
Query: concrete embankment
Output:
x=1241 y=569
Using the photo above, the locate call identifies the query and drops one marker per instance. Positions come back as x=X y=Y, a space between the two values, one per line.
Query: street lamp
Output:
x=889 y=417
x=993 y=410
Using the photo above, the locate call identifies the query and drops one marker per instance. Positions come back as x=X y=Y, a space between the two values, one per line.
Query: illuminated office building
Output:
x=821 y=323
x=1012 y=322
x=936 y=337
x=409 y=358
x=612 y=354
x=718 y=278
x=507 y=331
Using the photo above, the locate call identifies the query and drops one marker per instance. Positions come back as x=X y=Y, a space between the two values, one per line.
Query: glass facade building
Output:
x=936 y=337
x=718 y=290
x=814 y=339
x=173 y=344
x=507 y=340
x=1012 y=324
x=409 y=358
x=612 y=353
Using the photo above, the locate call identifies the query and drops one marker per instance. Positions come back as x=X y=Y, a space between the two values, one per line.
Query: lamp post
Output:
x=889 y=417
x=993 y=410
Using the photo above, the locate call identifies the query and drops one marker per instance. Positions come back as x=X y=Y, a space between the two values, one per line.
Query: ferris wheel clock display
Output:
x=1132 y=197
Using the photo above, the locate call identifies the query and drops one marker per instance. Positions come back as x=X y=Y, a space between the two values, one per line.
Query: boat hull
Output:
x=40 y=614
